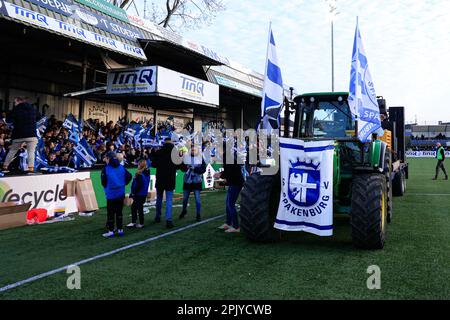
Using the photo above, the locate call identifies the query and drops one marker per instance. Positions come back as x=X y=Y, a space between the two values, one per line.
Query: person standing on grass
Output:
x=440 y=155
x=232 y=173
x=114 y=180
x=166 y=173
x=139 y=192
x=24 y=117
x=194 y=167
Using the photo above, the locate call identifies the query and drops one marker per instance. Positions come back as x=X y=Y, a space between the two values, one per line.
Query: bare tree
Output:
x=177 y=14
x=120 y=3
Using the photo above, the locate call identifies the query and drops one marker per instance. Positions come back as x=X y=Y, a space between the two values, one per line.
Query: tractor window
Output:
x=332 y=120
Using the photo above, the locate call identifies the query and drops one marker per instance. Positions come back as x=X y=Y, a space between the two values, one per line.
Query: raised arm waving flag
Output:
x=273 y=95
x=363 y=99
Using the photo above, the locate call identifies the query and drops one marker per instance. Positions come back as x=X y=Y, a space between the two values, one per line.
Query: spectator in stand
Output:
x=3 y=151
x=114 y=178
x=440 y=156
x=3 y=117
x=52 y=160
x=166 y=172
x=19 y=161
x=194 y=167
x=66 y=161
x=24 y=118
x=139 y=192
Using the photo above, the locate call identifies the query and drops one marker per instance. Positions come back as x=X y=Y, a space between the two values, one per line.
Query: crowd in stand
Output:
x=101 y=137
x=440 y=136
x=57 y=144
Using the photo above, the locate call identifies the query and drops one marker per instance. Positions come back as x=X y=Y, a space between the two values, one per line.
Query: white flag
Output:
x=273 y=94
x=363 y=99
x=306 y=202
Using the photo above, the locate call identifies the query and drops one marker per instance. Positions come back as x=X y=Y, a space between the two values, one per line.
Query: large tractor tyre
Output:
x=399 y=184
x=369 y=211
x=259 y=205
x=388 y=173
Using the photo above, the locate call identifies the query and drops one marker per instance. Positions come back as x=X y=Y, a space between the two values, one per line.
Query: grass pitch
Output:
x=205 y=263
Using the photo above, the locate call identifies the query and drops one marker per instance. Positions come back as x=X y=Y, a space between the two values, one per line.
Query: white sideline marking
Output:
x=104 y=255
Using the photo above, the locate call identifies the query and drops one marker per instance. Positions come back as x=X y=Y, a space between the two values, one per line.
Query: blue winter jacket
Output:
x=114 y=180
x=140 y=184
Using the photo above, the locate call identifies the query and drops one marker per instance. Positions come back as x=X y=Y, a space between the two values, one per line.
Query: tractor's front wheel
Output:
x=259 y=205
x=369 y=211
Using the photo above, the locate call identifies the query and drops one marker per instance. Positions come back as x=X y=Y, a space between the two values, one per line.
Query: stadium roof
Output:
x=84 y=22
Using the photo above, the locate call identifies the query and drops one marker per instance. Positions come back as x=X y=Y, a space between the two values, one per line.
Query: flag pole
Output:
x=265 y=69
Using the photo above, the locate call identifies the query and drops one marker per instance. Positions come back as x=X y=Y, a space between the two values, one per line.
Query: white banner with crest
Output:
x=306 y=202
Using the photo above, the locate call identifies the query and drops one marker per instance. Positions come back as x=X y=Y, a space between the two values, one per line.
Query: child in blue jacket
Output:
x=114 y=179
x=139 y=191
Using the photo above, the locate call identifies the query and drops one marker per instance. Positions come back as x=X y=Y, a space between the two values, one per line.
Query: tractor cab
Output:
x=324 y=116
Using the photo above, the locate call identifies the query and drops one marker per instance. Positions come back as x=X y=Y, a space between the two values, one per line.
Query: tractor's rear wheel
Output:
x=399 y=184
x=369 y=211
x=259 y=205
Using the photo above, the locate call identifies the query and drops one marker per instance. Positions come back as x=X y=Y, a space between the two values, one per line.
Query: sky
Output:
x=407 y=43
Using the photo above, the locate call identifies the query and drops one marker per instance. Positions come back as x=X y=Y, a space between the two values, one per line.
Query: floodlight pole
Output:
x=333 y=13
x=332 y=55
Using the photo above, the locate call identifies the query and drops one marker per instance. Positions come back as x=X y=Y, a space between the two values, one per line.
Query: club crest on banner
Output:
x=304 y=183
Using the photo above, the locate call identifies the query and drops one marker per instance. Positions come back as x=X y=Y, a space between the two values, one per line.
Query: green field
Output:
x=204 y=263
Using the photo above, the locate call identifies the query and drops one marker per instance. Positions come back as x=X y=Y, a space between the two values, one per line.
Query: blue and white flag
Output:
x=58 y=170
x=137 y=138
x=72 y=125
x=41 y=126
x=40 y=157
x=306 y=202
x=120 y=141
x=148 y=140
x=84 y=153
x=132 y=130
x=363 y=99
x=273 y=93
x=100 y=133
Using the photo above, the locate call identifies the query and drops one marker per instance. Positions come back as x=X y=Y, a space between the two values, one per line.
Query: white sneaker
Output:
x=109 y=234
x=224 y=227
x=131 y=225
x=233 y=230
x=139 y=226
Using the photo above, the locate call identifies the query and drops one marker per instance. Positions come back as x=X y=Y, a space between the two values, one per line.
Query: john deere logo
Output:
x=37 y=198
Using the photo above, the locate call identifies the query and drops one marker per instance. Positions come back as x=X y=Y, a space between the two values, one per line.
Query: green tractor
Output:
x=366 y=175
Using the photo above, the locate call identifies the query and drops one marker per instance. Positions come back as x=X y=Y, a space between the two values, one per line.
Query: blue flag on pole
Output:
x=72 y=125
x=84 y=153
x=363 y=99
x=41 y=126
x=120 y=141
x=273 y=93
x=40 y=158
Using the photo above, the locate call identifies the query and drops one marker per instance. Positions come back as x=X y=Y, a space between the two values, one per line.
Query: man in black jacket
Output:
x=23 y=117
x=166 y=173
x=233 y=174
